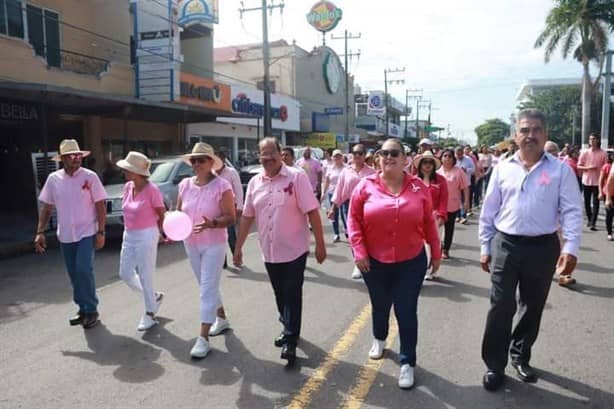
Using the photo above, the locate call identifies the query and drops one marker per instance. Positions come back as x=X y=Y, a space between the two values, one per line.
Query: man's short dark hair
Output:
x=290 y=151
x=532 y=113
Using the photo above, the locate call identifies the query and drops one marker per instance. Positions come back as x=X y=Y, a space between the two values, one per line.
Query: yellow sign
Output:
x=322 y=140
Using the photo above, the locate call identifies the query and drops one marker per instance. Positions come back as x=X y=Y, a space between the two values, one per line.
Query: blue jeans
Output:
x=397 y=284
x=345 y=208
x=336 y=217
x=79 y=260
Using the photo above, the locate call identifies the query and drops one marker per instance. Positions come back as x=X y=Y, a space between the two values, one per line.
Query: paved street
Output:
x=44 y=363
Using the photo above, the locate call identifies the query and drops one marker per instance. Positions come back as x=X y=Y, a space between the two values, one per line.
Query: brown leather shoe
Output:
x=89 y=320
x=566 y=281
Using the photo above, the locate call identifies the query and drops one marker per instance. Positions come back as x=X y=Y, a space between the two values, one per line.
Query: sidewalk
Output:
x=17 y=235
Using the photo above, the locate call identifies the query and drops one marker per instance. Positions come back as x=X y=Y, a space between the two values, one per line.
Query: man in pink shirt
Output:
x=79 y=198
x=313 y=168
x=590 y=163
x=281 y=201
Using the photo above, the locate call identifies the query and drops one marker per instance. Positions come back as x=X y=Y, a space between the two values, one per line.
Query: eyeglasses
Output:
x=359 y=153
x=202 y=160
x=74 y=156
x=393 y=153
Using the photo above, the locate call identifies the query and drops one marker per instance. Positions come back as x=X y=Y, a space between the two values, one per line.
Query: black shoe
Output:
x=225 y=263
x=525 y=372
x=288 y=352
x=281 y=340
x=89 y=320
x=76 y=320
x=593 y=228
x=492 y=380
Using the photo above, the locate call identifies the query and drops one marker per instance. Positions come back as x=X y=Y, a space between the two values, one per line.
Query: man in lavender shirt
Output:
x=313 y=168
x=529 y=196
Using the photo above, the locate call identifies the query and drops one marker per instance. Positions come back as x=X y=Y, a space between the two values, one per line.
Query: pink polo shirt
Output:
x=311 y=167
x=280 y=205
x=74 y=198
x=392 y=228
x=457 y=181
x=198 y=201
x=348 y=179
x=140 y=210
x=595 y=158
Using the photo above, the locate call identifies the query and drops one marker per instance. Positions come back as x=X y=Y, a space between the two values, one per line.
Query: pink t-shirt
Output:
x=311 y=167
x=74 y=198
x=605 y=172
x=140 y=211
x=204 y=201
x=457 y=181
x=348 y=179
x=392 y=228
x=594 y=158
x=280 y=205
x=333 y=173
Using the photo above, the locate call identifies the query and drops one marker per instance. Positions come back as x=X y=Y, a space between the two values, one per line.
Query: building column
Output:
x=92 y=137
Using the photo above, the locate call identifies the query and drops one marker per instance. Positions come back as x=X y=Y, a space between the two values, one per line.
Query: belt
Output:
x=528 y=239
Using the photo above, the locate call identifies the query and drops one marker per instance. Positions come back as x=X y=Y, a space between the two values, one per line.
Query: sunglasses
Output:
x=393 y=153
x=74 y=156
x=359 y=153
x=198 y=160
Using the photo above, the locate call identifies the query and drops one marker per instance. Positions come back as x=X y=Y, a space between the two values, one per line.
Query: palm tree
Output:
x=581 y=27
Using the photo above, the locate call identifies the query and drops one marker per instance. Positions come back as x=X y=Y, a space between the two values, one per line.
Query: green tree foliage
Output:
x=492 y=131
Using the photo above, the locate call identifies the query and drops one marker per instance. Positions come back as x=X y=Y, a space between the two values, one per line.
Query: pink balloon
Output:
x=177 y=225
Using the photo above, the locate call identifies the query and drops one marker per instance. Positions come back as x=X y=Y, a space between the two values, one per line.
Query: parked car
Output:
x=166 y=173
x=249 y=171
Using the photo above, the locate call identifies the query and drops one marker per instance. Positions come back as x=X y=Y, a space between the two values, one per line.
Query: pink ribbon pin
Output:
x=544 y=179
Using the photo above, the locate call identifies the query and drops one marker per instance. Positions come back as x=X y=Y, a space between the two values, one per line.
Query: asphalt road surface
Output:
x=44 y=363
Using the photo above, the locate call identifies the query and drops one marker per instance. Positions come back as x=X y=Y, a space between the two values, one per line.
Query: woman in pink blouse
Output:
x=426 y=166
x=390 y=218
x=457 y=183
x=333 y=172
x=209 y=201
x=143 y=210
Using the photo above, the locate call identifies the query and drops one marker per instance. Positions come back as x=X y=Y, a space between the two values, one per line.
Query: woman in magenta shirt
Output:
x=390 y=218
x=143 y=210
x=426 y=166
x=458 y=187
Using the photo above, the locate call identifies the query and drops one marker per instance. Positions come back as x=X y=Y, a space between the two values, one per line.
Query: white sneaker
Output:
x=146 y=322
x=406 y=377
x=428 y=277
x=220 y=325
x=200 y=349
x=336 y=238
x=377 y=349
x=159 y=298
x=356 y=274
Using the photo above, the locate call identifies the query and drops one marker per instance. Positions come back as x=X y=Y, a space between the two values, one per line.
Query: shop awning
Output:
x=66 y=100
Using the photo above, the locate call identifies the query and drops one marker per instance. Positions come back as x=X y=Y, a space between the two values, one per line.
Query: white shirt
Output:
x=232 y=176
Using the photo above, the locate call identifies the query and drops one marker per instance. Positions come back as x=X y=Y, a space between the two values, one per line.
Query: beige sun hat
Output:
x=337 y=152
x=67 y=147
x=135 y=162
x=204 y=149
x=427 y=155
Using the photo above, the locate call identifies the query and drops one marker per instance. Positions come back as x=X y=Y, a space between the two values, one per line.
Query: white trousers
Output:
x=137 y=262
x=207 y=261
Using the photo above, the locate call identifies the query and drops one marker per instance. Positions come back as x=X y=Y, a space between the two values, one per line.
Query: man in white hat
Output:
x=79 y=198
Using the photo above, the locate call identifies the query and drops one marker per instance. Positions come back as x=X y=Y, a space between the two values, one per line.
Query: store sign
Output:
x=285 y=111
x=333 y=111
x=322 y=140
x=198 y=12
x=333 y=72
x=376 y=103
x=17 y=112
x=324 y=16
x=195 y=90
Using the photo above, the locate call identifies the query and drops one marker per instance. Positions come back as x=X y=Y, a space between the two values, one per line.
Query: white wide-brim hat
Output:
x=337 y=152
x=135 y=162
x=427 y=155
x=204 y=149
x=425 y=141
x=68 y=147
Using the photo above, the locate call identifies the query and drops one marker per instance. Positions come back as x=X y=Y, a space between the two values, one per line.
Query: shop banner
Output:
x=322 y=140
x=195 y=90
x=376 y=103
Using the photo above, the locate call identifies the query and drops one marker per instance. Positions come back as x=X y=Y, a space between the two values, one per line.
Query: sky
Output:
x=469 y=57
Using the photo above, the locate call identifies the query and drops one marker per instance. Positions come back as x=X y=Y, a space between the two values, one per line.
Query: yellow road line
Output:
x=303 y=398
x=367 y=374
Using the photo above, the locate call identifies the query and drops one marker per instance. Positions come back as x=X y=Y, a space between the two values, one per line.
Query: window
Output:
x=11 y=18
x=44 y=34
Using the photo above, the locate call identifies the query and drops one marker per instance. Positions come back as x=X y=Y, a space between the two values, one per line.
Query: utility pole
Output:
x=265 y=57
x=386 y=81
x=420 y=103
x=407 y=96
x=346 y=37
x=607 y=100
x=573 y=125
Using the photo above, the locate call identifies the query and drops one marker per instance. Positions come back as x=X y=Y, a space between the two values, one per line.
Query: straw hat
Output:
x=425 y=141
x=204 y=149
x=135 y=162
x=427 y=155
x=67 y=147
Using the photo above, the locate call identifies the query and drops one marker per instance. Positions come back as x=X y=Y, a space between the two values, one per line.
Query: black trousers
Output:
x=287 y=281
x=591 y=194
x=609 y=217
x=448 y=230
x=521 y=263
